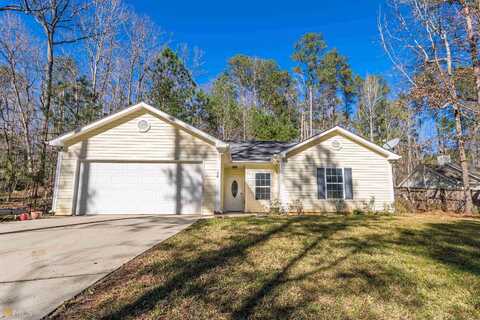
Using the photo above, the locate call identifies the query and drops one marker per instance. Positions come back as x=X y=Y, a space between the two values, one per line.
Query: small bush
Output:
x=388 y=209
x=340 y=206
x=296 y=206
x=276 y=207
x=357 y=211
x=369 y=206
x=403 y=206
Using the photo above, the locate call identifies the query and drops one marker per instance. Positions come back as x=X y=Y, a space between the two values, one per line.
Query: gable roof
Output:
x=257 y=150
x=60 y=141
x=388 y=154
x=430 y=176
x=261 y=151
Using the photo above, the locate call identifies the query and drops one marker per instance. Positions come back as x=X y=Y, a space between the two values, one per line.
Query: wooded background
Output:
x=65 y=63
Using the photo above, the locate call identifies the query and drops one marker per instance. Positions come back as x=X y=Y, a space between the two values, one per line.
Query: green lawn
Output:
x=324 y=267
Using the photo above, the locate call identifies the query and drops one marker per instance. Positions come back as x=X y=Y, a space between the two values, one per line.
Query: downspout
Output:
x=278 y=161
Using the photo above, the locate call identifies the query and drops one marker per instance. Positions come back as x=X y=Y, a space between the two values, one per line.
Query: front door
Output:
x=234 y=195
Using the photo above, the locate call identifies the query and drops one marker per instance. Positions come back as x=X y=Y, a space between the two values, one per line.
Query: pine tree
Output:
x=172 y=87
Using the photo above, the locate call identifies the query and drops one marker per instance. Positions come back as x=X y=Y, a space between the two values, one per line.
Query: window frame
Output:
x=269 y=187
x=327 y=183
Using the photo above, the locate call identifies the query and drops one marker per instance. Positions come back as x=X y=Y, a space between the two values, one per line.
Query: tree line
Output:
x=65 y=63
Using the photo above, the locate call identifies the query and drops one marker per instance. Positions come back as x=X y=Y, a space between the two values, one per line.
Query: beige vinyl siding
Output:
x=63 y=205
x=252 y=205
x=121 y=140
x=371 y=174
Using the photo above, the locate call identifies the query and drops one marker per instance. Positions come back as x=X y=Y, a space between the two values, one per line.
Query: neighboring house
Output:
x=446 y=176
x=438 y=186
x=143 y=161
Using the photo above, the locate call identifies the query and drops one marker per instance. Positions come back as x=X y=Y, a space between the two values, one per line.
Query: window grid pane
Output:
x=262 y=186
x=334 y=182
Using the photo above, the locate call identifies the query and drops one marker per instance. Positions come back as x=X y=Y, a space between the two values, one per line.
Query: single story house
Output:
x=143 y=161
x=438 y=186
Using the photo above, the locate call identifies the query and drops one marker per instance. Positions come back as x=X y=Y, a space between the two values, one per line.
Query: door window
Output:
x=234 y=188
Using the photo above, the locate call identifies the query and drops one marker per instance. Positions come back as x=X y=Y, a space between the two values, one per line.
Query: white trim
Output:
x=251 y=162
x=326 y=184
x=60 y=141
x=80 y=166
x=279 y=181
x=57 y=180
x=270 y=172
x=351 y=135
x=392 y=187
x=284 y=194
x=112 y=160
x=76 y=182
x=202 y=201
x=220 y=176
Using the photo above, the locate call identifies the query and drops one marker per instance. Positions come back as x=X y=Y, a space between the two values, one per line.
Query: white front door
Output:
x=234 y=195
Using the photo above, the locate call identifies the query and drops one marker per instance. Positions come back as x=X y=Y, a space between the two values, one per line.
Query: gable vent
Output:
x=143 y=125
x=336 y=145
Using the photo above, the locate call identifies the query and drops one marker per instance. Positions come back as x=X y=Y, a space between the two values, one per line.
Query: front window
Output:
x=262 y=186
x=334 y=183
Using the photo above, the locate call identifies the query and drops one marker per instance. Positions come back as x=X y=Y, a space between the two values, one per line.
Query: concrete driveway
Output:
x=45 y=262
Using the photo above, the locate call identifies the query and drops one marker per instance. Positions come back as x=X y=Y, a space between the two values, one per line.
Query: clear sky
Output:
x=269 y=29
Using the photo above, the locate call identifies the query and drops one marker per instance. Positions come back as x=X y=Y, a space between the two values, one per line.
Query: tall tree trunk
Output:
x=24 y=120
x=310 y=128
x=410 y=145
x=458 y=129
x=301 y=126
x=141 y=77
x=130 y=83
x=463 y=160
x=440 y=137
x=473 y=44
x=244 y=116
x=223 y=120
x=46 y=110
x=371 y=125
x=94 y=71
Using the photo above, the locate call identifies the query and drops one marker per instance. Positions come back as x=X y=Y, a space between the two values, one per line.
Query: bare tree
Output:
x=471 y=13
x=193 y=59
x=302 y=109
x=105 y=20
x=59 y=21
x=143 y=45
x=424 y=47
x=18 y=54
x=370 y=96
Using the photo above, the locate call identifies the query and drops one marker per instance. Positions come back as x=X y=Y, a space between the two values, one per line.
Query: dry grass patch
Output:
x=416 y=267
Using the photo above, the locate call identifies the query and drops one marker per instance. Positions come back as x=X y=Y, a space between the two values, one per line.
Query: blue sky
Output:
x=269 y=29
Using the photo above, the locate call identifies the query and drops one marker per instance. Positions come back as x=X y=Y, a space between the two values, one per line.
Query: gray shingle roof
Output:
x=448 y=176
x=257 y=150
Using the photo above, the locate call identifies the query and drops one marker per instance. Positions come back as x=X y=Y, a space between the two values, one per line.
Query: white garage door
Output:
x=139 y=188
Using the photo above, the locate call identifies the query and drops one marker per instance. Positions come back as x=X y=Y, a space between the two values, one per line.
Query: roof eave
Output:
x=60 y=141
x=251 y=161
x=388 y=154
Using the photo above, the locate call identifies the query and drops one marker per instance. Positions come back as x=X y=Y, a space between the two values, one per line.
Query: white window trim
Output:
x=58 y=171
x=326 y=184
x=255 y=184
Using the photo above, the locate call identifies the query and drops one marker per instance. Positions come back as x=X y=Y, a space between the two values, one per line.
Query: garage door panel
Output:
x=138 y=188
